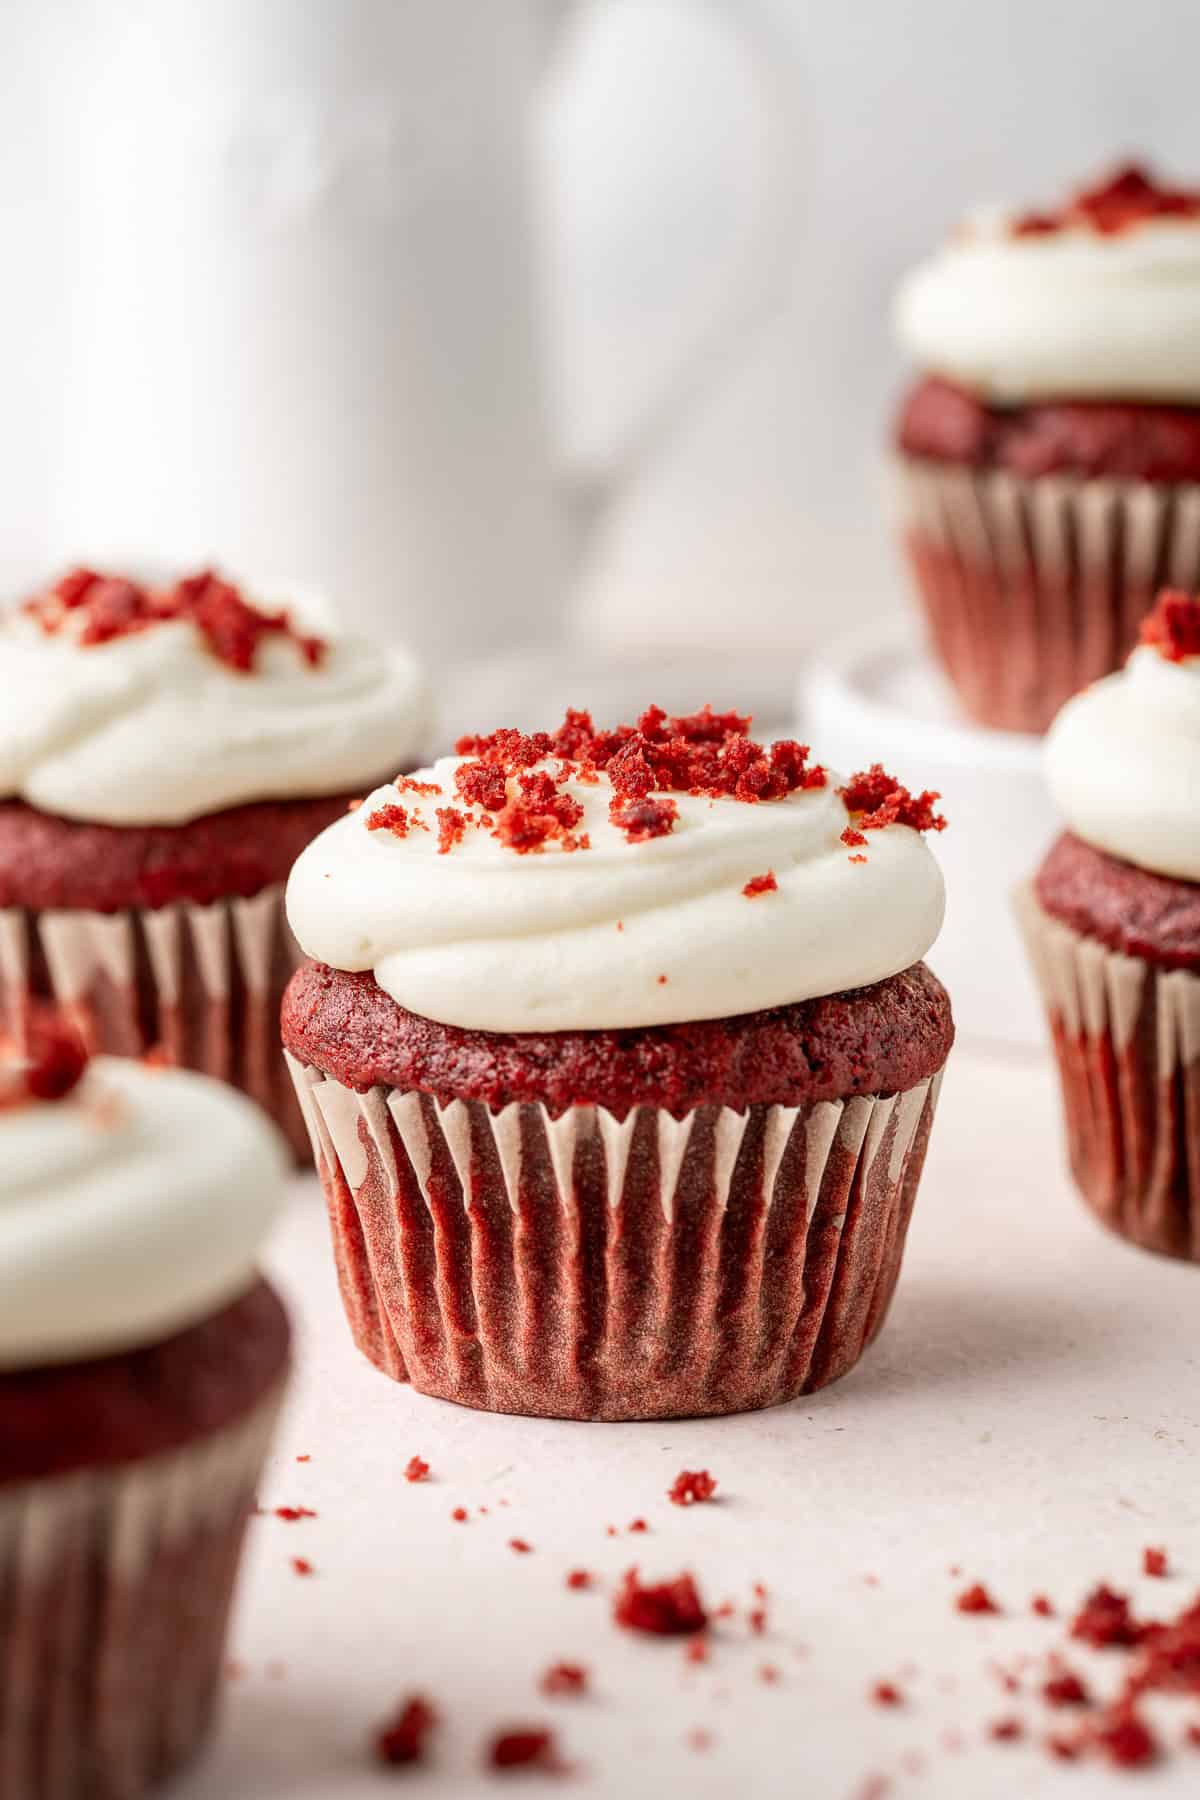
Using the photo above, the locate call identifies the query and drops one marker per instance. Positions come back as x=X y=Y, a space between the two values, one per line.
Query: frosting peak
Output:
x=574 y=893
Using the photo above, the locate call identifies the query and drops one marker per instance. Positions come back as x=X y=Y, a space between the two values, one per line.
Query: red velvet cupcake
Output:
x=1113 y=925
x=142 y=1362
x=165 y=755
x=619 y=1060
x=1049 y=457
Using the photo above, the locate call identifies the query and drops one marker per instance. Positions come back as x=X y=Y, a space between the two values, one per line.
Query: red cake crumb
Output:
x=1042 y=1607
x=668 y=1609
x=527 y=1748
x=760 y=884
x=565 y=1678
x=1006 y=1731
x=637 y=1525
x=416 y=1469
x=104 y=607
x=1125 y=1738
x=691 y=1486
x=1173 y=627
x=391 y=817
x=852 y=839
x=1064 y=1688
x=769 y=1675
x=699 y=1739
x=756 y=1618
x=886 y=1693
x=578 y=1579
x=459 y=1515
x=452 y=828
x=304 y=1458
x=520 y=1546
x=1066 y=1749
x=976 y=1599
x=697 y=1651
x=643 y=819
x=882 y=801
x=1128 y=197
x=1105 y=1619
x=408 y=784
x=292 y=1513
x=856 y=859
x=302 y=1566
x=47 y=1064
x=403 y=1740
x=1154 y=1561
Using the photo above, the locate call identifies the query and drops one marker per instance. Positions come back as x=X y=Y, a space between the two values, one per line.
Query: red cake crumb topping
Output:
x=760 y=884
x=565 y=1678
x=302 y=1566
x=1006 y=1731
x=696 y=1651
x=104 y=607
x=528 y=1748
x=403 y=1739
x=886 y=1693
x=1173 y=626
x=1125 y=1738
x=459 y=1515
x=976 y=1599
x=691 y=1486
x=292 y=1513
x=520 y=1546
x=1042 y=1606
x=637 y=1525
x=1154 y=1561
x=1105 y=1619
x=1064 y=1688
x=1129 y=196
x=757 y=1616
x=416 y=1469
x=47 y=1064
x=882 y=801
x=452 y=828
x=391 y=818
x=578 y=1579
x=669 y=1609
x=643 y=819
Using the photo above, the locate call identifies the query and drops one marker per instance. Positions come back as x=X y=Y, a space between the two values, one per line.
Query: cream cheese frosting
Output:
x=1123 y=764
x=153 y=729
x=619 y=934
x=1068 y=314
x=129 y=1210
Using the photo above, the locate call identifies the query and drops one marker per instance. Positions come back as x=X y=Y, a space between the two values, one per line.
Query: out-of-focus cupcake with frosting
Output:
x=1113 y=926
x=620 y=1059
x=165 y=754
x=142 y=1364
x=1049 y=454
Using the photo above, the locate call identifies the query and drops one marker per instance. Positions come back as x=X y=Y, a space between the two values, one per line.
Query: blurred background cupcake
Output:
x=142 y=1362
x=1049 y=454
x=620 y=1061
x=1113 y=926
x=165 y=755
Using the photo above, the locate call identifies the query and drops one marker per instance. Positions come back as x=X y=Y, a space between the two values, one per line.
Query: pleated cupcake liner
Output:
x=115 y=1589
x=1127 y=1039
x=1034 y=588
x=199 y=985
x=594 y=1267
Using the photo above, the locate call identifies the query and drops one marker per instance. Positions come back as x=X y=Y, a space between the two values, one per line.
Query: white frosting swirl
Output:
x=130 y=1210
x=487 y=939
x=152 y=729
x=1123 y=763
x=1068 y=314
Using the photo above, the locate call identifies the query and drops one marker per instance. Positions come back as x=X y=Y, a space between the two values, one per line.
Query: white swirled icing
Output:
x=1068 y=314
x=152 y=729
x=1123 y=763
x=487 y=939
x=130 y=1210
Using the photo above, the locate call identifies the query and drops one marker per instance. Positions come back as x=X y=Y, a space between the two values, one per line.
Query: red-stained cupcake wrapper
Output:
x=200 y=986
x=114 y=1596
x=1127 y=1039
x=598 y=1268
x=1034 y=588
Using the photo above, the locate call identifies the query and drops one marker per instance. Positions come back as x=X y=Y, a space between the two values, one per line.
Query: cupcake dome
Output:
x=1049 y=468
x=581 y=1000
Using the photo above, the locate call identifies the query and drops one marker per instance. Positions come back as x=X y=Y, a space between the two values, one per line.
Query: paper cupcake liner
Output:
x=114 y=1595
x=1127 y=1039
x=598 y=1268
x=199 y=985
x=1035 y=588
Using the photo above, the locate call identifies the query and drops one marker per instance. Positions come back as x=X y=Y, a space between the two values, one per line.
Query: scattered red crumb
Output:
x=697 y=1651
x=302 y=1566
x=644 y=818
x=459 y=1515
x=976 y=1599
x=104 y=607
x=1064 y=1688
x=403 y=1740
x=1006 y=1731
x=691 y=1486
x=426 y=790
x=565 y=1678
x=886 y=1693
x=662 y=981
x=726 y=1610
x=856 y=859
x=871 y=1580
x=49 y=1060
x=699 y=1739
x=1042 y=1607
x=520 y=1546
x=756 y=1618
x=1105 y=1619
x=668 y=1609
x=527 y=1748
x=760 y=884
x=578 y=1579
x=1125 y=1738
x=391 y=818
x=638 y=1525
x=852 y=838
x=769 y=1674
x=1129 y=196
x=1066 y=1749
x=1154 y=1561
x=882 y=801
x=304 y=1459
x=1173 y=627
x=292 y=1513
x=610 y=1531
x=452 y=828
x=416 y=1469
